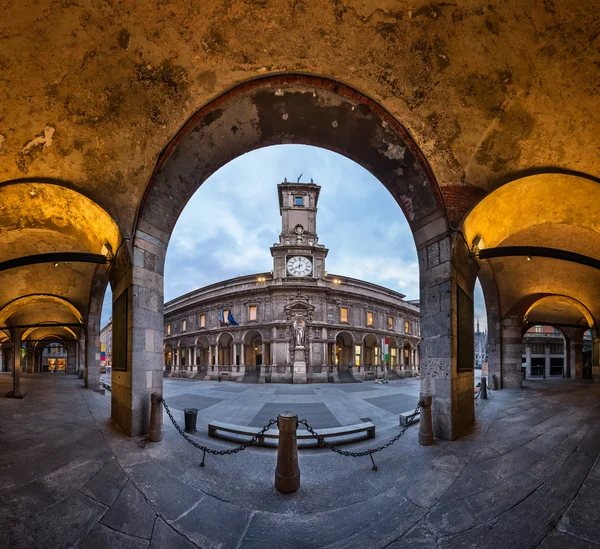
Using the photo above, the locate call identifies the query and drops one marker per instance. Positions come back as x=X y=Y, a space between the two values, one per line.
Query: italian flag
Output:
x=385 y=349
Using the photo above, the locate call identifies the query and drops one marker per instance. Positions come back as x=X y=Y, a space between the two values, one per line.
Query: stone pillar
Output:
x=16 y=366
x=91 y=373
x=30 y=359
x=576 y=359
x=512 y=352
x=71 y=357
x=596 y=359
x=333 y=358
x=264 y=354
x=547 y=363
x=138 y=322
x=217 y=356
x=565 y=359
x=210 y=355
x=242 y=355
x=195 y=359
x=528 y=360
x=444 y=274
x=8 y=356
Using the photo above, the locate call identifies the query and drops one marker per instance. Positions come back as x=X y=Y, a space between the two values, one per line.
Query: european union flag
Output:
x=231 y=320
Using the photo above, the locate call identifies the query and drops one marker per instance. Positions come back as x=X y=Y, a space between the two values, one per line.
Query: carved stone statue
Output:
x=299 y=327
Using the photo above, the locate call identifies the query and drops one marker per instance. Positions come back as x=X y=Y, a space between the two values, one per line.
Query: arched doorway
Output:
x=343 y=351
x=313 y=110
x=202 y=356
x=407 y=356
x=254 y=351
x=168 y=359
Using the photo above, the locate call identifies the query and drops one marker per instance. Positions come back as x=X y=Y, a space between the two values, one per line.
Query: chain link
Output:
x=368 y=452
x=208 y=450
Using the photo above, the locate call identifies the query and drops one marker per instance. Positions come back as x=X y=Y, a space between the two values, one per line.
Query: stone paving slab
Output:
x=318 y=415
x=526 y=475
x=189 y=400
x=394 y=404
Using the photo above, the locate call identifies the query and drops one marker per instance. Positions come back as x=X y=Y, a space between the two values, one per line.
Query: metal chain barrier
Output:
x=368 y=452
x=206 y=449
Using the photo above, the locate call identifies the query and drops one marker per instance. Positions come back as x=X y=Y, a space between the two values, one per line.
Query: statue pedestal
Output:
x=299 y=372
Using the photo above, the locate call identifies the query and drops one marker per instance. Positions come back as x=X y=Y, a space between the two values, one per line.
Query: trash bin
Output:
x=191 y=415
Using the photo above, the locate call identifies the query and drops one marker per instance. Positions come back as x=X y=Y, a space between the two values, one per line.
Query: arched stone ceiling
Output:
x=32 y=309
x=59 y=333
x=559 y=310
x=92 y=92
x=43 y=218
x=543 y=207
x=72 y=281
x=549 y=210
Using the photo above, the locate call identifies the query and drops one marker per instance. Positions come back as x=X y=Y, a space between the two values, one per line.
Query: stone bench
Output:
x=405 y=417
x=235 y=433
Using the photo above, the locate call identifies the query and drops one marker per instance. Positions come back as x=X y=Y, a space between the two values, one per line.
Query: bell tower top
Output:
x=298 y=206
x=298 y=253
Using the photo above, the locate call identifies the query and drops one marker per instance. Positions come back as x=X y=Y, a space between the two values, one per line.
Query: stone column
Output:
x=91 y=373
x=565 y=359
x=325 y=357
x=596 y=359
x=30 y=359
x=576 y=358
x=71 y=358
x=195 y=358
x=442 y=272
x=16 y=366
x=217 y=356
x=334 y=354
x=512 y=352
x=547 y=364
x=528 y=360
x=243 y=355
x=81 y=353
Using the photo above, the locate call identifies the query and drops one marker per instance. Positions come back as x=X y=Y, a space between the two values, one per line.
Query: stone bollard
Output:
x=287 y=473
x=483 y=388
x=425 y=424
x=156 y=418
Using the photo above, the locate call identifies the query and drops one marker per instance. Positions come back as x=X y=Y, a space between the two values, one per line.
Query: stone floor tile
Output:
x=102 y=537
x=167 y=494
x=24 y=500
x=14 y=535
x=66 y=522
x=165 y=537
x=559 y=540
x=71 y=476
x=131 y=514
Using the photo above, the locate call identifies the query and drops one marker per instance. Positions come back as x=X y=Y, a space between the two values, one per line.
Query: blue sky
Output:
x=228 y=226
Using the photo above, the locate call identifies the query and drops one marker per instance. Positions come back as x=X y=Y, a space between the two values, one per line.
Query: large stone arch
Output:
x=291 y=108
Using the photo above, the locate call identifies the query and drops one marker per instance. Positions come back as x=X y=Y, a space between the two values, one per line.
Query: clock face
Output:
x=299 y=266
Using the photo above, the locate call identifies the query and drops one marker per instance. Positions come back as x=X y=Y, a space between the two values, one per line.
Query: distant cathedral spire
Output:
x=477 y=325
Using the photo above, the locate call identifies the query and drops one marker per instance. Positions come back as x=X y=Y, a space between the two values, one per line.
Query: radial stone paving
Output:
x=527 y=475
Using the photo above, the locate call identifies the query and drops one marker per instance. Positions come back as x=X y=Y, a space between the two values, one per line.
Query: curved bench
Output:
x=340 y=435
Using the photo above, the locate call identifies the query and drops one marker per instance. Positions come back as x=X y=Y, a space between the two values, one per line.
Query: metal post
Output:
x=483 y=388
x=156 y=418
x=287 y=472
x=425 y=423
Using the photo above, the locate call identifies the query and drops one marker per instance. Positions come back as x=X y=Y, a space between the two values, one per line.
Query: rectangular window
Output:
x=390 y=322
x=537 y=329
x=202 y=321
x=184 y=325
x=298 y=201
x=168 y=329
x=369 y=319
x=252 y=312
x=357 y=355
x=343 y=314
x=406 y=327
x=225 y=316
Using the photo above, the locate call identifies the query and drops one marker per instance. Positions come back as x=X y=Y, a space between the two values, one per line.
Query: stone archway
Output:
x=306 y=109
x=254 y=351
x=343 y=351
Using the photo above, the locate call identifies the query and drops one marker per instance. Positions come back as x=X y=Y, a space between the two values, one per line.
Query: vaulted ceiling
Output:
x=93 y=91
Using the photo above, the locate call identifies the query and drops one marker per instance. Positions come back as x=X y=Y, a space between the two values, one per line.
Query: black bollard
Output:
x=483 y=388
x=191 y=416
x=287 y=473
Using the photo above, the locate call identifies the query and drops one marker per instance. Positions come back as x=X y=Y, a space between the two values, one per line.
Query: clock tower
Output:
x=298 y=254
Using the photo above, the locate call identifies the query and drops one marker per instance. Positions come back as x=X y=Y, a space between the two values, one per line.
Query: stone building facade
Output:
x=297 y=323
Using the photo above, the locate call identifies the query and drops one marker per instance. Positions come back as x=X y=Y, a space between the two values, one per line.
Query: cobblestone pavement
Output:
x=526 y=475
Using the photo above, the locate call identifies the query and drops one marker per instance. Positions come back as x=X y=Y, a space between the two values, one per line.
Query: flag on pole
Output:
x=385 y=349
x=230 y=319
x=220 y=317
